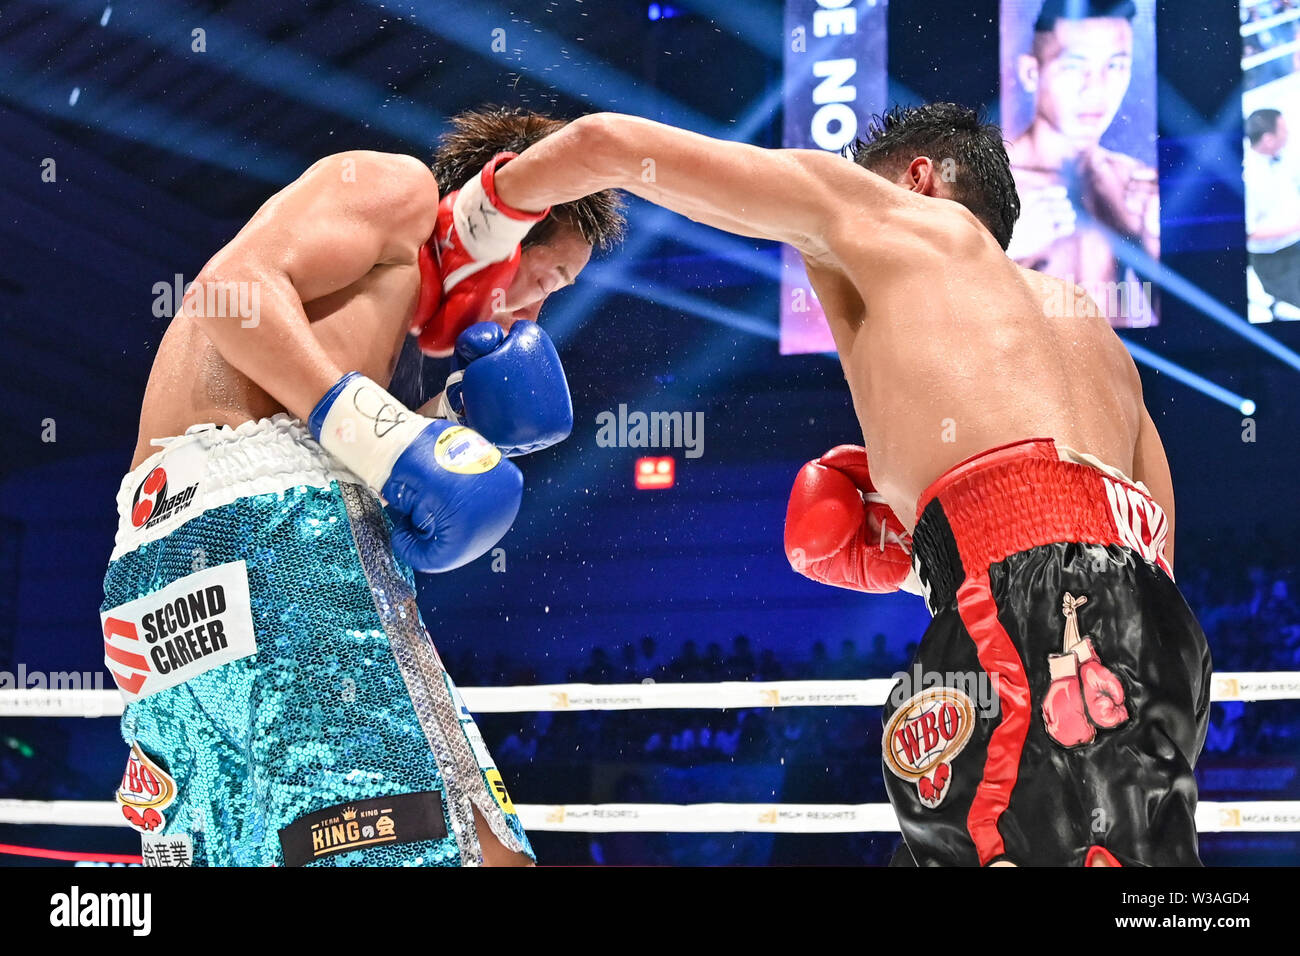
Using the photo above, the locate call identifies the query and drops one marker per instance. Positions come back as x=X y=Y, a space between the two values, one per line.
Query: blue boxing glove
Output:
x=450 y=494
x=510 y=388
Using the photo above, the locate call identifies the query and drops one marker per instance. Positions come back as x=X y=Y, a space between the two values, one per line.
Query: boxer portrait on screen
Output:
x=1078 y=70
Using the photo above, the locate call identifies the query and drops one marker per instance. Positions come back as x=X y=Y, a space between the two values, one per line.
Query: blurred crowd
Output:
x=686 y=737
x=1247 y=610
x=1257 y=11
x=1268 y=26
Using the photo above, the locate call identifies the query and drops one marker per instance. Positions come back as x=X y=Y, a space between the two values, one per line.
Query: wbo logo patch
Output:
x=145 y=792
x=923 y=736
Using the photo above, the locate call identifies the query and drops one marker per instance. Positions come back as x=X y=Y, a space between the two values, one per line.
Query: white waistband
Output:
x=213 y=465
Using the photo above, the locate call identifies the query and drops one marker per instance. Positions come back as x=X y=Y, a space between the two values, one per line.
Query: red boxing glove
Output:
x=473 y=253
x=840 y=531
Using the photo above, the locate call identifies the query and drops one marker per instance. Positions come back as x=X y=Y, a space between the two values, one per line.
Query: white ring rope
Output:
x=725 y=695
x=1262 y=816
x=1257 y=816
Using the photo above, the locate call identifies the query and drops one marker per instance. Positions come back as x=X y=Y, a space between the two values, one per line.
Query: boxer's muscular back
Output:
x=950 y=349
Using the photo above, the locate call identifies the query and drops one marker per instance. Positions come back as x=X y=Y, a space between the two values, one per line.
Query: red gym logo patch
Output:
x=151 y=505
x=147 y=495
x=166 y=493
x=924 y=735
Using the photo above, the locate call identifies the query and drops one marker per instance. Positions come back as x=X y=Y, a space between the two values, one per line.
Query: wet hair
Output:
x=982 y=181
x=475 y=136
x=1260 y=123
x=1056 y=10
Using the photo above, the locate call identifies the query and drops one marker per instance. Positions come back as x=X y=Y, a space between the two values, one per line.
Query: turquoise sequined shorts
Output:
x=284 y=702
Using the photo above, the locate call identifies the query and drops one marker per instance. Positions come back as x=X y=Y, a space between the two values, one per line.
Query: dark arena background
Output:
x=137 y=136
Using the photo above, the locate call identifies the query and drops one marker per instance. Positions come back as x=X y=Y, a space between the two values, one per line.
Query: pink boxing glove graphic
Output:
x=1103 y=694
x=1063 y=714
x=1083 y=692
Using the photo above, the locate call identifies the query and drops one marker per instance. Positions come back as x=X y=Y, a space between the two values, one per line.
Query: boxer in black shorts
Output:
x=1053 y=596
x=1059 y=698
x=1047 y=576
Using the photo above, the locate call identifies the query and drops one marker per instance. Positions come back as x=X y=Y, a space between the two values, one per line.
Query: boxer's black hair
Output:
x=1260 y=123
x=980 y=171
x=1055 y=10
x=475 y=136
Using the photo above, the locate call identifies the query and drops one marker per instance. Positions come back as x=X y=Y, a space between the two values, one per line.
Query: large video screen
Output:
x=1079 y=113
x=1270 y=66
x=834 y=79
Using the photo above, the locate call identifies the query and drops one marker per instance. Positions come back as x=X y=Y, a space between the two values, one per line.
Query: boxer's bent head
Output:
x=968 y=159
x=558 y=247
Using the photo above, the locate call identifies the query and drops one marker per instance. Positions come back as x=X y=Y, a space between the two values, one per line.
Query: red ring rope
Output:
x=67 y=855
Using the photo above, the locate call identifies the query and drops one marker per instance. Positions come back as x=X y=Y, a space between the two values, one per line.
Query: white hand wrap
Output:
x=486 y=233
x=367 y=430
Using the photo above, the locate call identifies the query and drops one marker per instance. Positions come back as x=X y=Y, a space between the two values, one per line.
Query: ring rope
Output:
x=1262 y=816
x=73 y=856
x=1211 y=817
x=723 y=695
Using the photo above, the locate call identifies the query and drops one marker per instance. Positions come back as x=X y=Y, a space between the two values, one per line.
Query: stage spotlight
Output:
x=1189 y=378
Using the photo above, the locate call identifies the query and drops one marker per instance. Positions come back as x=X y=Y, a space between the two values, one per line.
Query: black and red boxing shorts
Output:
x=1058 y=701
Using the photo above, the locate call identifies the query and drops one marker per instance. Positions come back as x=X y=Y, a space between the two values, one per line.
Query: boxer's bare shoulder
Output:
x=336 y=250
x=389 y=199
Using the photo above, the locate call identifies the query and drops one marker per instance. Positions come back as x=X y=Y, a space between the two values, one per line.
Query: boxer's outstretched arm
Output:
x=806 y=198
x=346 y=214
